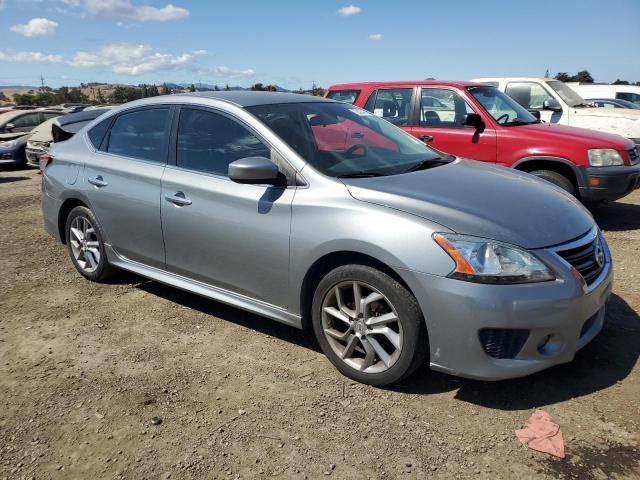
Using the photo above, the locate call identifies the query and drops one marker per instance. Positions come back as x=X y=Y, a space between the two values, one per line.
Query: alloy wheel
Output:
x=84 y=244
x=362 y=327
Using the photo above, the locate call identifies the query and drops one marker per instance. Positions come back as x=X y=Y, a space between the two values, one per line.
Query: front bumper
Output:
x=11 y=156
x=32 y=155
x=612 y=182
x=565 y=311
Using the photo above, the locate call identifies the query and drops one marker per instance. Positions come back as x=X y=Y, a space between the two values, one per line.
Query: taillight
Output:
x=45 y=159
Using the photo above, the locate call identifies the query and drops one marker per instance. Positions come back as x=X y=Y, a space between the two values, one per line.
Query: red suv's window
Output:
x=346 y=96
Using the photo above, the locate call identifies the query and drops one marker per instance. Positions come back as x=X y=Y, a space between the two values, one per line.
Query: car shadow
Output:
x=13 y=179
x=301 y=338
x=618 y=216
x=608 y=359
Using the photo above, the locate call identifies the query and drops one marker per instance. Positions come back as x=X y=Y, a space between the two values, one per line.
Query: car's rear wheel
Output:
x=557 y=179
x=368 y=325
x=86 y=246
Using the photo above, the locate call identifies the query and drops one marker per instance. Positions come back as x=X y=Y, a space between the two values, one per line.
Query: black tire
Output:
x=103 y=270
x=414 y=344
x=557 y=179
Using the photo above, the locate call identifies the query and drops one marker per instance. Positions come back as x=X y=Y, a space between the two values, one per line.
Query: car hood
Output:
x=487 y=201
x=622 y=121
x=583 y=136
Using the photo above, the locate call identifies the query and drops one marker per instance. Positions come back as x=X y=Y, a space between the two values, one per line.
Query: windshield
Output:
x=502 y=107
x=341 y=140
x=567 y=94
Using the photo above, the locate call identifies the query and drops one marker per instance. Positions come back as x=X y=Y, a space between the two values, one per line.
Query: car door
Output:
x=229 y=235
x=122 y=181
x=442 y=112
x=394 y=105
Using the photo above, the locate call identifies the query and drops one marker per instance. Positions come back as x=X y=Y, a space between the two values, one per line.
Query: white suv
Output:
x=558 y=103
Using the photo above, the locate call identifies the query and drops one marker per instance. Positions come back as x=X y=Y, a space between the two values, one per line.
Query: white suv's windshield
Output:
x=502 y=107
x=340 y=140
x=567 y=94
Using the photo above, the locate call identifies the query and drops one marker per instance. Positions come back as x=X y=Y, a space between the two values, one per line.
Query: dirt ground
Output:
x=85 y=368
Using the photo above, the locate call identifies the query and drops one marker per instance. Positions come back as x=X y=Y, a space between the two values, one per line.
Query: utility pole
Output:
x=41 y=83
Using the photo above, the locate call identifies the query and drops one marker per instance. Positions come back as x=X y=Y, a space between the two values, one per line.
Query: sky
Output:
x=297 y=43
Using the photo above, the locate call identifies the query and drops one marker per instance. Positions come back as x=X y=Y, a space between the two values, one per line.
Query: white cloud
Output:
x=36 y=27
x=226 y=72
x=29 y=57
x=375 y=36
x=349 y=10
x=128 y=10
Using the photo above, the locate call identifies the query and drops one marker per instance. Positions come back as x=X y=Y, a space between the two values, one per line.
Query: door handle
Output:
x=98 y=181
x=178 y=198
x=425 y=138
x=357 y=135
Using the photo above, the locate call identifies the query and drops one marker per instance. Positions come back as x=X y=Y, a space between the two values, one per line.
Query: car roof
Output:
x=6 y=116
x=83 y=116
x=407 y=83
x=250 y=98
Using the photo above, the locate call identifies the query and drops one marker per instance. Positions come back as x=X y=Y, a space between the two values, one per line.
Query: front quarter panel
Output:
x=328 y=220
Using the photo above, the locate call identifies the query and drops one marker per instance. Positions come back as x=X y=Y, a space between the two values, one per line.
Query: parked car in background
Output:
x=58 y=129
x=479 y=122
x=15 y=123
x=558 y=103
x=389 y=250
x=630 y=93
x=613 y=103
x=12 y=152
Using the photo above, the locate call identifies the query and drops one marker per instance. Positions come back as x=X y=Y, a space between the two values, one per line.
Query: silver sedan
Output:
x=319 y=214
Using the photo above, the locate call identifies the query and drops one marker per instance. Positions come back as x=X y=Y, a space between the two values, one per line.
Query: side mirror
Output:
x=9 y=126
x=552 y=104
x=474 y=120
x=255 y=170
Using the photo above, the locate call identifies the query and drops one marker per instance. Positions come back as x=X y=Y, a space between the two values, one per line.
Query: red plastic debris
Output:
x=542 y=434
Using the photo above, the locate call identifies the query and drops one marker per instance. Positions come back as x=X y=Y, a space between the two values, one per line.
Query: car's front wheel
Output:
x=86 y=245
x=368 y=325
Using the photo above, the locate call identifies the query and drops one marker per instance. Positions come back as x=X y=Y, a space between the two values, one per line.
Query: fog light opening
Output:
x=548 y=345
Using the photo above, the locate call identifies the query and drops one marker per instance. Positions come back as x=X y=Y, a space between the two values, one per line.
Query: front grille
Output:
x=6 y=156
x=634 y=155
x=587 y=259
x=503 y=342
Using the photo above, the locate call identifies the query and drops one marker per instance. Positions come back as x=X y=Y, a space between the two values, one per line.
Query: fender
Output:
x=549 y=158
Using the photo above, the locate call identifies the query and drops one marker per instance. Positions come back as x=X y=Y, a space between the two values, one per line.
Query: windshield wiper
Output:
x=430 y=163
x=361 y=175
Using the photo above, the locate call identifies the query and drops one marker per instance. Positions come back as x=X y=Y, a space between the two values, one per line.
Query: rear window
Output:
x=346 y=96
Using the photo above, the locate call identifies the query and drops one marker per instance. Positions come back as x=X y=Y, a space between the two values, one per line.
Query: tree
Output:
x=164 y=90
x=620 y=82
x=216 y=88
x=226 y=87
x=3 y=97
x=583 y=76
x=152 y=91
x=100 y=98
x=563 y=77
x=192 y=88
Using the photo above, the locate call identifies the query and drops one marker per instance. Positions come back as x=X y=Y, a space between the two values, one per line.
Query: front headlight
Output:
x=604 y=157
x=489 y=261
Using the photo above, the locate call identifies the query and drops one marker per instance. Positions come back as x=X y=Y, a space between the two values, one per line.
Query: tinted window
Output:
x=28 y=120
x=208 y=142
x=140 y=134
x=50 y=115
x=631 y=97
x=530 y=95
x=392 y=104
x=346 y=96
x=444 y=108
x=97 y=133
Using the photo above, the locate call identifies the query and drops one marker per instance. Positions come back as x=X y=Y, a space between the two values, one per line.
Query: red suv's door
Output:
x=442 y=112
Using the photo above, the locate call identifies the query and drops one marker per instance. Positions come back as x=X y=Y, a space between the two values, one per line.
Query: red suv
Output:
x=479 y=122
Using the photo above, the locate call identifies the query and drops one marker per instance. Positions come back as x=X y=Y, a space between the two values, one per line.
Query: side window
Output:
x=631 y=97
x=346 y=96
x=140 y=134
x=208 y=142
x=26 y=121
x=528 y=94
x=50 y=115
x=97 y=133
x=392 y=104
x=444 y=108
